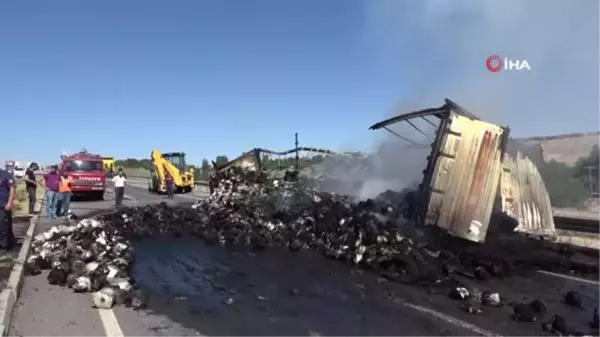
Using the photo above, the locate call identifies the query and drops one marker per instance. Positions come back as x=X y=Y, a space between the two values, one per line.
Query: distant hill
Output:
x=565 y=148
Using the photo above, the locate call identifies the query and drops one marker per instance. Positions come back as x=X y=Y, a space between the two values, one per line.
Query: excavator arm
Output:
x=161 y=166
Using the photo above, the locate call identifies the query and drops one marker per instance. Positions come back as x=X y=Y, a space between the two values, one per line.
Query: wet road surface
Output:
x=44 y=310
x=212 y=290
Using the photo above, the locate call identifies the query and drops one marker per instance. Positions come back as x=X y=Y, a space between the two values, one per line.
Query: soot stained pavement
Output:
x=196 y=289
x=211 y=290
x=218 y=291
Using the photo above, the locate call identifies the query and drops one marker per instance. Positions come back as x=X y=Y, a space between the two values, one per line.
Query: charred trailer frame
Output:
x=252 y=159
x=464 y=170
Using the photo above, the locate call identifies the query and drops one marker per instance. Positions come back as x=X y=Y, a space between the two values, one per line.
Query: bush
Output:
x=564 y=190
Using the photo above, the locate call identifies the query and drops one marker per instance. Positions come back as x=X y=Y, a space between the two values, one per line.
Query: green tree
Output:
x=565 y=189
x=586 y=170
x=221 y=160
x=133 y=163
x=205 y=169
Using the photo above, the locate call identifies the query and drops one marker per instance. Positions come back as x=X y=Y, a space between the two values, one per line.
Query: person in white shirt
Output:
x=119 y=181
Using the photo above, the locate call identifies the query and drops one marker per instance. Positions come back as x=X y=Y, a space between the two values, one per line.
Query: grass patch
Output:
x=21 y=202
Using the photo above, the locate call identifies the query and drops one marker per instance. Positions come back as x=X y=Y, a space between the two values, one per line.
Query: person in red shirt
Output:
x=51 y=183
x=169 y=183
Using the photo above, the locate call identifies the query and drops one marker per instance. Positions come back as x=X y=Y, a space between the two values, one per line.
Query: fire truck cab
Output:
x=87 y=172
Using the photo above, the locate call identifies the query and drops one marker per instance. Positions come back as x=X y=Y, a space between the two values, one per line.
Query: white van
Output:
x=18 y=170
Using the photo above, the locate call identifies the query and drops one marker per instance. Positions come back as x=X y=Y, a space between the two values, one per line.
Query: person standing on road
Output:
x=119 y=181
x=7 y=194
x=31 y=184
x=211 y=181
x=65 y=193
x=52 y=183
x=169 y=183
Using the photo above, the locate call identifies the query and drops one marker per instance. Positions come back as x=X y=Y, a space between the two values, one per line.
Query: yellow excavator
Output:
x=174 y=164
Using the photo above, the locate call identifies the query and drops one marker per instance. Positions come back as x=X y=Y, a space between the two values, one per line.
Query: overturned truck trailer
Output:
x=469 y=173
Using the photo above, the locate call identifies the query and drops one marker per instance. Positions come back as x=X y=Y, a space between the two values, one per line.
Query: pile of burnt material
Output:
x=96 y=255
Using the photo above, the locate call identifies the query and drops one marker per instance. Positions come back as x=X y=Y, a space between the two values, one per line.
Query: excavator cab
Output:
x=177 y=159
x=174 y=164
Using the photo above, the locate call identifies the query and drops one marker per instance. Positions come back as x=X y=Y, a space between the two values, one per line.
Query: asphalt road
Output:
x=200 y=290
x=52 y=311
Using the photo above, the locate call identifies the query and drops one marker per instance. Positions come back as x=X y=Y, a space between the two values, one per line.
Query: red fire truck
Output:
x=87 y=172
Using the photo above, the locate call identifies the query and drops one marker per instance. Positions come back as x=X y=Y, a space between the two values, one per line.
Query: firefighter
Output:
x=7 y=194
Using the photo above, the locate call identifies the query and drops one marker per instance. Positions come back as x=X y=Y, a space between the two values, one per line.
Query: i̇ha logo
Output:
x=495 y=63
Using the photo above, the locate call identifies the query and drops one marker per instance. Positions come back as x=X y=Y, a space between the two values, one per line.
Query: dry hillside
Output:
x=566 y=148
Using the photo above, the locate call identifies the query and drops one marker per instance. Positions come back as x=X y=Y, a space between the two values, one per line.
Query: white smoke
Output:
x=440 y=48
x=395 y=164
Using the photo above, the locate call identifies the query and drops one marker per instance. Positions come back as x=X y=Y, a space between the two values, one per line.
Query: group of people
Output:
x=57 y=195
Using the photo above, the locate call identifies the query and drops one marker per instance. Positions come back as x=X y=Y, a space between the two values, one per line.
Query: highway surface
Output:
x=200 y=290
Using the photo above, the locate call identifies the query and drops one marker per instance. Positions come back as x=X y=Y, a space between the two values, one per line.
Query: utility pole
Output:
x=591 y=182
x=297 y=155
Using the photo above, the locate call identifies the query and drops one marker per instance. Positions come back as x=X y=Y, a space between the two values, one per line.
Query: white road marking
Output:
x=452 y=320
x=110 y=323
x=573 y=278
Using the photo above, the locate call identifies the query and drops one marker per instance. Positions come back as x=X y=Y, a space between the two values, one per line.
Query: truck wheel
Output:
x=99 y=195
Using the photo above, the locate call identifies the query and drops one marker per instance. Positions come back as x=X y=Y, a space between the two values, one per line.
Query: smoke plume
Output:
x=439 y=48
x=394 y=164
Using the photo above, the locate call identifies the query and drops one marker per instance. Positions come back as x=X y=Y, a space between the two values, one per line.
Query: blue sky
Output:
x=220 y=77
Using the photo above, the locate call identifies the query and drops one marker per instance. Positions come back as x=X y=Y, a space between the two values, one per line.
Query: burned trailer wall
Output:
x=249 y=161
x=462 y=172
x=465 y=176
x=460 y=185
x=524 y=196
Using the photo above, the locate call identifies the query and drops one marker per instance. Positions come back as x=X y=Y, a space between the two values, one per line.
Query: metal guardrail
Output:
x=199 y=186
x=576 y=221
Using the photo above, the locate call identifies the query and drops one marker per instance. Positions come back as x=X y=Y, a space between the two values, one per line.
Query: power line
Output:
x=591 y=182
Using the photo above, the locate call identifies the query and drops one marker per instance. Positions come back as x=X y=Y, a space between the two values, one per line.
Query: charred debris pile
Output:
x=96 y=255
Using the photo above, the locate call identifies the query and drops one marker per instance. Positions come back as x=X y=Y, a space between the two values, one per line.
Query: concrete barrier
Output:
x=199 y=186
x=587 y=240
x=575 y=214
